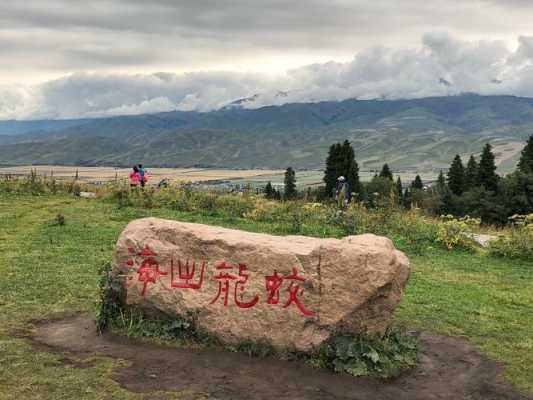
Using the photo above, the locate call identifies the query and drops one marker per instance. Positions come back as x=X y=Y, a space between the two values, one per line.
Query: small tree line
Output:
x=477 y=189
x=474 y=189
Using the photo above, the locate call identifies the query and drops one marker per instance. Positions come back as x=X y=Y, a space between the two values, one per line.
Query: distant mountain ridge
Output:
x=417 y=133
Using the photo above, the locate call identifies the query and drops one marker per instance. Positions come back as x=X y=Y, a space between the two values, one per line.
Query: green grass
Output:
x=46 y=269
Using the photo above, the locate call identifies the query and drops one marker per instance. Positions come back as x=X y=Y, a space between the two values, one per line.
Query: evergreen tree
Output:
x=456 y=176
x=417 y=183
x=341 y=162
x=290 y=184
x=399 y=190
x=487 y=176
x=332 y=171
x=269 y=191
x=386 y=172
x=525 y=164
x=441 y=182
x=349 y=168
x=471 y=173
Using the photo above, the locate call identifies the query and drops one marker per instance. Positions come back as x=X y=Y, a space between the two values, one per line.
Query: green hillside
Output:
x=418 y=134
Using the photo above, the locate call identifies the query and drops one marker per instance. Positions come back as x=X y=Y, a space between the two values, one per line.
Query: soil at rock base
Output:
x=449 y=368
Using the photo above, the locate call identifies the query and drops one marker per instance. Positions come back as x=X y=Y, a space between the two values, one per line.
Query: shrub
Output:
x=121 y=195
x=451 y=232
x=518 y=244
x=59 y=220
x=108 y=305
x=414 y=230
x=146 y=198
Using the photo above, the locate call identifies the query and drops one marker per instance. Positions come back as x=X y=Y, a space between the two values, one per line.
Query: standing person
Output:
x=135 y=177
x=342 y=194
x=144 y=175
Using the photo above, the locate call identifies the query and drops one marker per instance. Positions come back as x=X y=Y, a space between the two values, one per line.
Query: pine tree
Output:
x=471 y=173
x=341 y=162
x=441 y=182
x=417 y=183
x=290 y=184
x=349 y=168
x=456 y=176
x=525 y=164
x=332 y=168
x=386 y=172
x=399 y=190
x=269 y=191
x=487 y=176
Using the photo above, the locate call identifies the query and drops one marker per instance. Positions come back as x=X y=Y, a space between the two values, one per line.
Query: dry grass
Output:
x=105 y=174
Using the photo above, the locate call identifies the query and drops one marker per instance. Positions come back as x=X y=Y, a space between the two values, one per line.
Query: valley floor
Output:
x=48 y=269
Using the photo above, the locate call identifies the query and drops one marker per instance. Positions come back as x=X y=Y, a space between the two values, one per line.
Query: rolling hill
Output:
x=421 y=134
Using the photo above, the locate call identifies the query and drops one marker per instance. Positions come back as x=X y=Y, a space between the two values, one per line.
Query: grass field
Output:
x=47 y=269
x=255 y=177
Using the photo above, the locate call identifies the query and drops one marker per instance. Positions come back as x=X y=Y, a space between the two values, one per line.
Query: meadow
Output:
x=254 y=177
x=49 y=265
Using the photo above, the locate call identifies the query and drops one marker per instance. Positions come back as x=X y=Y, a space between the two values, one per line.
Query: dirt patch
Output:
x=449 y=368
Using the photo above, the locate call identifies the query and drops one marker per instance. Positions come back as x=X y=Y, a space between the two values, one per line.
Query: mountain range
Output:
x=421 y=134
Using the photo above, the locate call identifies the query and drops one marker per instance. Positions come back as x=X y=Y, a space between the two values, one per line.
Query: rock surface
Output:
x=292 y=292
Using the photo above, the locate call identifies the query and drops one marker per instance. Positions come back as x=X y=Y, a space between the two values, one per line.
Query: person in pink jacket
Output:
x=135 y=177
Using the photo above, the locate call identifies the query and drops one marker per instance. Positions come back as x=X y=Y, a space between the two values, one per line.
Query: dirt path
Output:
x=449 y=368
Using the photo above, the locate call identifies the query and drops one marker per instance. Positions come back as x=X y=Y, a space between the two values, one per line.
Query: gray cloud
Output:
x=66 y=36
x=107 y=50
x=485 y=67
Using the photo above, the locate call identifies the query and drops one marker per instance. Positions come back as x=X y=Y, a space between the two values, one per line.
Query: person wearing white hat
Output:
x=342 y=194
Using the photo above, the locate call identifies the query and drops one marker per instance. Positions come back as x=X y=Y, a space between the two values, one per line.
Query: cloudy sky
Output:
x=74 y=58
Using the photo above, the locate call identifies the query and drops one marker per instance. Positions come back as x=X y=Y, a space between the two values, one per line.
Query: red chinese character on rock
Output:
x=295 y=291
x=273 y=284
x=239 y=287
x=186 y=274
x=224 y=277
x=149 y=269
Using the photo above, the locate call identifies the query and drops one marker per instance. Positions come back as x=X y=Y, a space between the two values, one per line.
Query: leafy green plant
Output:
x=108 y=306
x=518 y=244
x=59 y=220
x=451 y=232
x=385 y=356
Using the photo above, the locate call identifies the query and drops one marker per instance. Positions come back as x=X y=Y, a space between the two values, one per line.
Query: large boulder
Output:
x=290 y=291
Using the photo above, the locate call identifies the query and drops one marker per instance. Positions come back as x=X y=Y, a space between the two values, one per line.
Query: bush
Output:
x=414 y=230
x=108 y=306
x=451 y=232
x=121 y=196
x=518 y=244
x=59 y=220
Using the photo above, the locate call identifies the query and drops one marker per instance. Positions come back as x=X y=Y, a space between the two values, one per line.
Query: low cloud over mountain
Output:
x=441 y=65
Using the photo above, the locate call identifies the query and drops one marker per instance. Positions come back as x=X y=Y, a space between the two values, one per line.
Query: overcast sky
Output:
x=70 y=58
